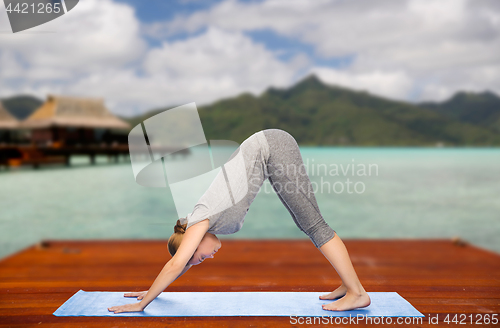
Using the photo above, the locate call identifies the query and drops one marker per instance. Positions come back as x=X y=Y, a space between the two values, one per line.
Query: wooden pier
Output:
x=21 y=155
x=13 y=156
x=438 y=277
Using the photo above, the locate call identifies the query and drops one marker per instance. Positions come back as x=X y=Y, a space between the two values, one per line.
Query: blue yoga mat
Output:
x=189 y=304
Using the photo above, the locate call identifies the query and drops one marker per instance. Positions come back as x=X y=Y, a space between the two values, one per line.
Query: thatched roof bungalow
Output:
x=71 y=120
x=74 y=112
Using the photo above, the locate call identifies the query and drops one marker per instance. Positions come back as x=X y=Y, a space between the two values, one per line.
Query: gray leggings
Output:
x=289 y=179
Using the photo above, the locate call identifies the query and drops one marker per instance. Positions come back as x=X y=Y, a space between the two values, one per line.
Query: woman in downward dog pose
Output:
x=269 y=154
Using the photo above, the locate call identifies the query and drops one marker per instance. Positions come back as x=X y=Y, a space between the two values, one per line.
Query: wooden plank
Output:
x=436 y=276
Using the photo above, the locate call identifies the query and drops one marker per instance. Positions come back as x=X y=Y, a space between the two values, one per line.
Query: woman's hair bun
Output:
x=181 y=228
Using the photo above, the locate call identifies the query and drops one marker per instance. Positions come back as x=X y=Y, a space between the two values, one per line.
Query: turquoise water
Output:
x=409 y=193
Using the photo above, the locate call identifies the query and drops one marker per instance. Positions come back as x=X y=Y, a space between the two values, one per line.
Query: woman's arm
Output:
x=140 y=295
x=174 y=268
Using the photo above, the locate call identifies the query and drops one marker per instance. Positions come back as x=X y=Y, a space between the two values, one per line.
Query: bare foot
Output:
x=339 y=292
x=349 y=302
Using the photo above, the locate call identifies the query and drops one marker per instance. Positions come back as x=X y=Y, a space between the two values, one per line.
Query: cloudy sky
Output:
x=139 y=54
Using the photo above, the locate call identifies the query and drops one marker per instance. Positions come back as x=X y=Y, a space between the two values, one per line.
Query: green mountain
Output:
x=477 y=108
x=21 y=106
x=319 y=114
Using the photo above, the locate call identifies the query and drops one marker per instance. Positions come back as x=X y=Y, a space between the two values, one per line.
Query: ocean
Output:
x=362 y=193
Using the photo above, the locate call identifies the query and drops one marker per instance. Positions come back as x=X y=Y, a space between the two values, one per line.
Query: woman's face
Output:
x=209 y=245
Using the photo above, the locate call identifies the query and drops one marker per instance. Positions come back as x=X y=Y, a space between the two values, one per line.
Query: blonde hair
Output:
x=175 y=240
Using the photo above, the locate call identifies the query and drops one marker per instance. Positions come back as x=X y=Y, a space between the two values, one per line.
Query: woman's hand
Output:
x=133 y=307
x=139 y=295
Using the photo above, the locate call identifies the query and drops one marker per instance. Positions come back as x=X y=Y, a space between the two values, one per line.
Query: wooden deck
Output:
x=437 y=276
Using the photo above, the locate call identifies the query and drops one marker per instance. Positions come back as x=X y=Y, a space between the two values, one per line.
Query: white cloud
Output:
x=202 y=69
x=208 y=67
x=97 y=35
x=227 y=60
x=428 y=40
x=97 y=50
x=213 y=65
x=389 y=84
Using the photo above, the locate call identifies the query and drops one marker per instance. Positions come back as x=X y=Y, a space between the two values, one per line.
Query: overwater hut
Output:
x=8 y=125
x=69 y=121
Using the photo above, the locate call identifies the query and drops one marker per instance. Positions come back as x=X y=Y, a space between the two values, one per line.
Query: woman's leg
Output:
x=355 y=295
x=289 y=179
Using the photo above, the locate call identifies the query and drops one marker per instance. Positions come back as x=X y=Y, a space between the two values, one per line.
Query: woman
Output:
x=269 y=154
